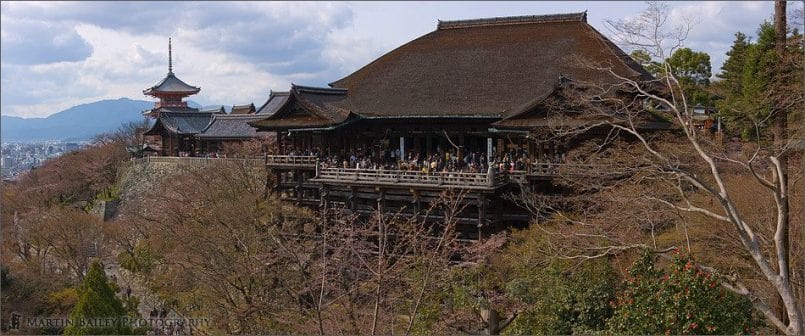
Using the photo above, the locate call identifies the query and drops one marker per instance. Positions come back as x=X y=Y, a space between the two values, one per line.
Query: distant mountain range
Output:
x=80 y=122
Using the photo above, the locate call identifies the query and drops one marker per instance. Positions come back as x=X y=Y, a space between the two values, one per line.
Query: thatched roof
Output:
x=484 y=68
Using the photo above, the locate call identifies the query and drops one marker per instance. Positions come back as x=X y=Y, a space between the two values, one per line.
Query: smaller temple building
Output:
x=181 y=130
x=176 y=123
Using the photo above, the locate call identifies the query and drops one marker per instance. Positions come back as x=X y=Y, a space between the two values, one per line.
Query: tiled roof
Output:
x=276 y=99
x=217 y=110
x=230 y=127
x=307 y=107
x=172 y=84
x=243 y=109
x=181 y=122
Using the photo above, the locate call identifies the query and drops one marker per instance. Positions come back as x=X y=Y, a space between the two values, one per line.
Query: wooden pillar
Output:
x=278 y=144
x=324 y=196
x=299 y=181
x=415 y=201
x=402 y=149
x=462 y=148
x=277 y=183
x=539 y=152
x=381 y=201
x=489 y=151
x=352 y=199
x=429 y=144
x=481 y=215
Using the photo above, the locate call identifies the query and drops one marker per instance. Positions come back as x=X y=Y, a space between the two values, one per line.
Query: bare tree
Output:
x=670 y=177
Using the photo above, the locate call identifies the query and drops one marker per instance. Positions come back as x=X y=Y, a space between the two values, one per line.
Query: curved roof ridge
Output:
x=238 y=116
x=319 y=90
x=508 y=20
x=213 y=109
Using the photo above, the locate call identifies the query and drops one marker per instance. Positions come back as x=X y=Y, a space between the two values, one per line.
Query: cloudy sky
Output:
x=57 y=55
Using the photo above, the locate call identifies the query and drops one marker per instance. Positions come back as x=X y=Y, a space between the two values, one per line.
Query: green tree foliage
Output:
x=746 y=78
x=97 y=301
x=562 y=299
x=732 y=70
x=653 y=67
x=691 y=68
x=693 y=71
x=684 y=300
x=549 y=295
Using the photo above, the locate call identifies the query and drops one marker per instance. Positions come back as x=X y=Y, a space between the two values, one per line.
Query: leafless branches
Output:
x=667 y=176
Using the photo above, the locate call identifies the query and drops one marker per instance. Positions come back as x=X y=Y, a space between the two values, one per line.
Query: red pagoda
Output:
x=173 y=132
x=170 y=91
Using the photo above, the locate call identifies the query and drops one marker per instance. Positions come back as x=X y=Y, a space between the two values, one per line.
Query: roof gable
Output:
x=243 y=109
x=276 y=99
x=307 y=106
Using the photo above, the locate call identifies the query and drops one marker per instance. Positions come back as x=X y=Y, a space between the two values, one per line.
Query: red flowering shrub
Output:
x=683 y=300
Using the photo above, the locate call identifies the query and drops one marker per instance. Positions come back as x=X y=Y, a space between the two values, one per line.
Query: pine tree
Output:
x=732 y=69
x=97 y=303
x=746 y=77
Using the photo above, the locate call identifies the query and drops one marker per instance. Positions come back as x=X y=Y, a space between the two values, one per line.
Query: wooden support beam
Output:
x=352 y=198
x=324 y=195
x=299 y=181
x=277 y=181
x=481 y=215
x=381 y=200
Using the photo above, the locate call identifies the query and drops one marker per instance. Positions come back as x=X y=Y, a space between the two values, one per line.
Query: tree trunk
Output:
x=779 y=133
x=492 y=321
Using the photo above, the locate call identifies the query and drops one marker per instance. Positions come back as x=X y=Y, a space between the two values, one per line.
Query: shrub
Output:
x=685 y=300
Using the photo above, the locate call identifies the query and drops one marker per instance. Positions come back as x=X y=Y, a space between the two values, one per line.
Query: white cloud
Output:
x=237 y=51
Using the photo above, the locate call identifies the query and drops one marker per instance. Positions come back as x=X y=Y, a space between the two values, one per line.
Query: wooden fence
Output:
x=290 y=161
x=413 y=178
x=194 y=161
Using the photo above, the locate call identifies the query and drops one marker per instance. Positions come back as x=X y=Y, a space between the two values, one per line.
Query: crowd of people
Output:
x=441 y=161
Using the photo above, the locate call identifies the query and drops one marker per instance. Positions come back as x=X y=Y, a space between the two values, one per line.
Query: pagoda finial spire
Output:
x=170 y=57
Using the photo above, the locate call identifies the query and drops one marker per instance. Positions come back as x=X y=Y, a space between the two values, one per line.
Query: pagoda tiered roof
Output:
x=171 y=85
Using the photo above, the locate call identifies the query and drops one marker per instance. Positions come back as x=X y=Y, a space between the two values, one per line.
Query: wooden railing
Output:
x=414 y=178
x=290 y=161
x=193 y=161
